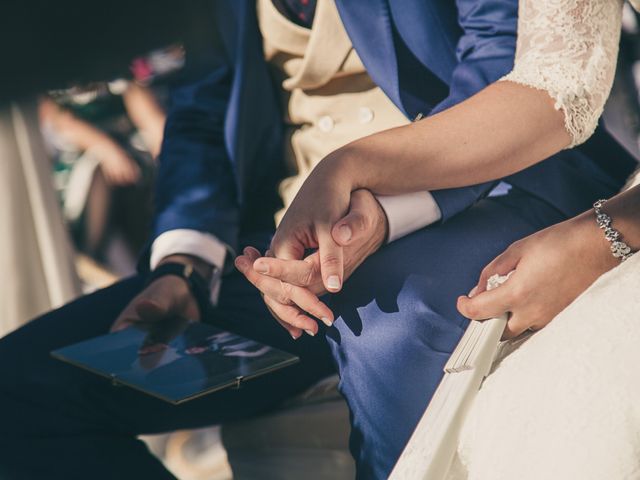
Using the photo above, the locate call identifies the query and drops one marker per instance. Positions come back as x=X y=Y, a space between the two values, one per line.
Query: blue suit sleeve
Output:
x=485 y=52
x=196 y=188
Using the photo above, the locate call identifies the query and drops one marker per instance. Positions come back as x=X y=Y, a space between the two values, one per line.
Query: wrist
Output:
x=382 y=226
x=204 y=269
x=196 y=284
x=340 y=168
x=591 y=243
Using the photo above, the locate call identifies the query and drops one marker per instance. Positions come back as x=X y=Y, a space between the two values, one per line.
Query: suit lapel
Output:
x=425 y=33
x=430 y=31
x=252 y=104
x=377 y=51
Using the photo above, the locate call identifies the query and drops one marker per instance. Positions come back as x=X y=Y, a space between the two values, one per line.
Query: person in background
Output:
x=105 y=138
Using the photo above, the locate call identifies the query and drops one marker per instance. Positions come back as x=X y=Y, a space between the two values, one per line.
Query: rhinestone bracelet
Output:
x=619 y=249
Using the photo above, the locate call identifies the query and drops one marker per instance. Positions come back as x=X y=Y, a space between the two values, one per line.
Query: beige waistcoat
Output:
x=328 y=99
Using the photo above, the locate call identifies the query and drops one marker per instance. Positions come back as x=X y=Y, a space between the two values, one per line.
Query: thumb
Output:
x=331 y=259
x=501 y=265
x=156 y=305
x=357 y=223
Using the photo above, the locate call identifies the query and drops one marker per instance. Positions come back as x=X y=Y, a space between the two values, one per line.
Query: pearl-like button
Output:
x=365 y=114
x=325 y=123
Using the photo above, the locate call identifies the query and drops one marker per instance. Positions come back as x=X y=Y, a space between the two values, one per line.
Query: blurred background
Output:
x=83 y=99
x=83 y=95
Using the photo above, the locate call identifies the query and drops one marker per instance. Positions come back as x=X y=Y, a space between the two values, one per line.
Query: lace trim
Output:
x=569 y=49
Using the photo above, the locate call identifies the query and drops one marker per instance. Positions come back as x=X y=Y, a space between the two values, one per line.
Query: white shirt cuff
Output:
x=188 y=242
x=409 y=212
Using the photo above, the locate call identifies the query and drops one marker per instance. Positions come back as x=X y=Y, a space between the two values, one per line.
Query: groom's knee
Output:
x=390 y=317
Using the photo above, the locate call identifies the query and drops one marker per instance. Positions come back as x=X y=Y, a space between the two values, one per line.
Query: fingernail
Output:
x=261 y=267
x=293 y=335
x=333 y=282
x=473 y=292
x=326 y=321
x=310 y=333
x=344 y=232
x=241 y=264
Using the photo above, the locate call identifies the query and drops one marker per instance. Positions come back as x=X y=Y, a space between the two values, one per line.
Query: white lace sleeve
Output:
x=569 y=49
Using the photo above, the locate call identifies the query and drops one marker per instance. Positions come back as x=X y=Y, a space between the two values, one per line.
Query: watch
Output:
x=198 y=286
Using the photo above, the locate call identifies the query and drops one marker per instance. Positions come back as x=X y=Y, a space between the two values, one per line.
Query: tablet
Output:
x=175 y=360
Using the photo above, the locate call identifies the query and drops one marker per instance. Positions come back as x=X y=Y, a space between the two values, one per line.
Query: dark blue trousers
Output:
x=397 y=325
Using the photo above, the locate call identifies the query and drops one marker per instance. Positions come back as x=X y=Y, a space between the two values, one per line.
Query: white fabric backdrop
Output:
x=36 y=263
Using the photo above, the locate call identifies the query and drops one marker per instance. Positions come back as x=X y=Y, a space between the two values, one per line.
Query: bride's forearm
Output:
x=499 y=131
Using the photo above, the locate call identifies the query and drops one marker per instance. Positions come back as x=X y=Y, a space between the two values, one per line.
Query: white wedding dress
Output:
x=566 y=403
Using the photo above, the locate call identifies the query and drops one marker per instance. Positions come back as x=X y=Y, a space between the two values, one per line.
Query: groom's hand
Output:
x=166 y=297
x=291 y=287
x=361 y=232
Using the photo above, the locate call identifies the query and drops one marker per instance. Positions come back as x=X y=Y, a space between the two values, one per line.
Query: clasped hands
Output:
x=292 y=280
x=345 y=224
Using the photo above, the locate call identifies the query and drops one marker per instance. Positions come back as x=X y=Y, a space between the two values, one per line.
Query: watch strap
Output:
x=197 y=284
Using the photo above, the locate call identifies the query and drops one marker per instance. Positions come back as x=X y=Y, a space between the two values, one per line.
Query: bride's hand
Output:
x=323 y=200
x=551 y=268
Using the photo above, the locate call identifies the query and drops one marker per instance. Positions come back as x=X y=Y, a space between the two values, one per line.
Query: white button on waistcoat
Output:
x=325 y=123
x=365 y=114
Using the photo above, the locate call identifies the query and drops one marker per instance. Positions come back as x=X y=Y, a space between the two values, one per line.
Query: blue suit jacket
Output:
x=221 y=157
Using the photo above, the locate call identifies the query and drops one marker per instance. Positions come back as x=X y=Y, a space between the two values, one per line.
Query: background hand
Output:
x=117 y=165
x=552 y=267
